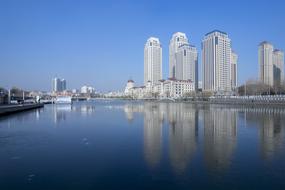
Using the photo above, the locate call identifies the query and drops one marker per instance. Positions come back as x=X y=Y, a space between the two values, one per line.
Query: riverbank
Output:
x=10 y=109
x=273 y=101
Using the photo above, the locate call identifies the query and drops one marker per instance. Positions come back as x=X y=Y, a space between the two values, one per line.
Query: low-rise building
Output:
x=87 y=90
x=170 y=88
x=3 y=96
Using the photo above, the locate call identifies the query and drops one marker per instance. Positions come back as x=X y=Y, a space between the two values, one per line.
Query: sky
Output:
x=100 y=43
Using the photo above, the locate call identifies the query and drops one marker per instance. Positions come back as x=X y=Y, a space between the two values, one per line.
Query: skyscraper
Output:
x=271 y=64
x=187 y=63
x=58 y=85
x=265 y=59
x=55 y=84
x=177 y=40
x=63 y=84
x=216 y=60
x=152 y=61
x=278 y=67
x=234 y=60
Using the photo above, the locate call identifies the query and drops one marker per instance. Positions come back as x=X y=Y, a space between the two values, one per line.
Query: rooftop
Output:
x=265 y=42
x=187 y=45
x=278 y=50
x=216 y=31
x=179 y=34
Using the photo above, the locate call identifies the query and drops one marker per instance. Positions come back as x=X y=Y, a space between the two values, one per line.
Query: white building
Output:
x=74 y=91
x=234 y=60
x=187 y=64
x=271 y=64
x=152 y=61
x=174 y=88
x=176 y=41
x=216 y=60
x=170 y=88
x=130 y=85
x=58 y=85
x=278 y=67
x=265 y=60
x=87 y=89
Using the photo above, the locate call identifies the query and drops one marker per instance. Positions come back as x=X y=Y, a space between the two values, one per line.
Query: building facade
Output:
x=87 y=90
x=271 y=64
x=152 y=61
x=234 y=60
x=176 y=41
x=173 y=88
x=216 y=61
x=265 y=59
x=58 y=85
x=130 y=85
x=278 y=67
x=187 y=64
x=170 y=88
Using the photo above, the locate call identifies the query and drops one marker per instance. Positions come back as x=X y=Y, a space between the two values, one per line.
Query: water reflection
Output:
x=217 y=131
x=61 y=111
x=84 y=109
x=153 y=120
x=183 y=132
x=270 y=123
x=220 y=133
x=182 y=120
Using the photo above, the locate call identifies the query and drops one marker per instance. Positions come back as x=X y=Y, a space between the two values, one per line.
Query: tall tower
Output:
x=278 y=67
x=56 y=85
x=216 y=60
x=187 y=63
x=152 y=61
x=265 y=60
x=234 y=60
x=63 y=84
x=177 y=40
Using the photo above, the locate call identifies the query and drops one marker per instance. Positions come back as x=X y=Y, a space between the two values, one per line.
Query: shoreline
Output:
x=233 y=102
x=11 y=109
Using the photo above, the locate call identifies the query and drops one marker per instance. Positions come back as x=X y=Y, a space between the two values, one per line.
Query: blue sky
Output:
x=101 y=43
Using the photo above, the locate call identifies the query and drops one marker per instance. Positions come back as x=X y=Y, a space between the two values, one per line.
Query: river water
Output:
x=143 y=145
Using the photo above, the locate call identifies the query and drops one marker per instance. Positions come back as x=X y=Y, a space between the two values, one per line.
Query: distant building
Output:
x=58 y=85
x=187 y=64
x=63 y=84
x=174 y=88
x=87 y=90
x=200 y=85
x=176 y=41
x=265 y=59
x=152 y=61
x=75 y=91
x=271 y=64
x=278 y=67
x=4 y=96
x=130 y=85
x=234 y=60
x=216 y=62
x=170 y=88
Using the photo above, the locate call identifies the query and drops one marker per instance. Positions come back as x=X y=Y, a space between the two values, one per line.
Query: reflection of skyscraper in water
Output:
x=183 y=132
x=271 y=134
x=60 y=112
x=152 y=133
x=130 y=109
x=271 y=123
x=220 y=131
